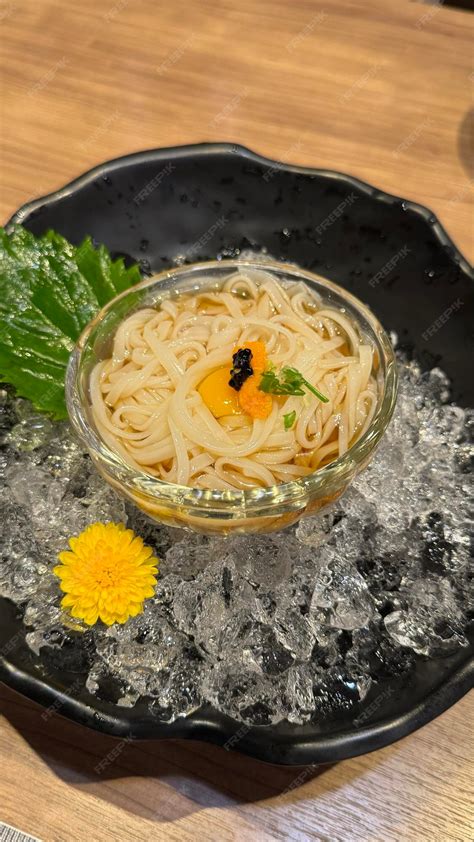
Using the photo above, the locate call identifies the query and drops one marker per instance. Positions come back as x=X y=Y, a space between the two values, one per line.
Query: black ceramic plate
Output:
x=199 y=202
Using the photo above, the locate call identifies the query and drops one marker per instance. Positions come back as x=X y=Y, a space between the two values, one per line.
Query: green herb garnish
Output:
x=49 y=291
x=290 y=382
x=289 y=419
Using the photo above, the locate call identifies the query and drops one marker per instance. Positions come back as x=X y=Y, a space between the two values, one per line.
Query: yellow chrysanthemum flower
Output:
x=107 y=575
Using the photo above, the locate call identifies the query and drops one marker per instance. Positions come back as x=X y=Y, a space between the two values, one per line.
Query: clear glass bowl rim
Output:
x=247 y=500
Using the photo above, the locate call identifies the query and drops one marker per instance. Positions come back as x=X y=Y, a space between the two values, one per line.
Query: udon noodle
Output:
x=147 y=407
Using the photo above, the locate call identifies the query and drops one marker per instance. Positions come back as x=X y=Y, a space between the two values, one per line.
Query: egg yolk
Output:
x=220 y=398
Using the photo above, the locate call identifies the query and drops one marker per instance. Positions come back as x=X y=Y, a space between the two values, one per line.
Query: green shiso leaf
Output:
x=49 y=291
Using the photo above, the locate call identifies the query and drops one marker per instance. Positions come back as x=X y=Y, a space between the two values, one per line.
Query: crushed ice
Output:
x=295 y=625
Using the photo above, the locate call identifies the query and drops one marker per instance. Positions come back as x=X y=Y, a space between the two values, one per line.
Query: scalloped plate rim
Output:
x=234 y=148
x=212 y=726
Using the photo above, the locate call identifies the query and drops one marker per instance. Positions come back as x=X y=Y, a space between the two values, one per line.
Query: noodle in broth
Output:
x=147 y=407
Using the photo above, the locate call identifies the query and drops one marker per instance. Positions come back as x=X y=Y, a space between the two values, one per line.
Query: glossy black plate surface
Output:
x=215 y=200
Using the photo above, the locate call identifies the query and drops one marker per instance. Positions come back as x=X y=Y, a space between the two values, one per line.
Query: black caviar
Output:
x=241 y=368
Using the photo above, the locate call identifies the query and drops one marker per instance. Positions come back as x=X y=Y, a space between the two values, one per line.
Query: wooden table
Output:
x=379 y=90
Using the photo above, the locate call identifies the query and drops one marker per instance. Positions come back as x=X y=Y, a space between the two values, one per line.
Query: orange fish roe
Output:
x=255 y=403
x=259 y=355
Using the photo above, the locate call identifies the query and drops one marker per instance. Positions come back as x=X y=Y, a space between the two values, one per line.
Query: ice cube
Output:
x=431 y=622
x=343 y=593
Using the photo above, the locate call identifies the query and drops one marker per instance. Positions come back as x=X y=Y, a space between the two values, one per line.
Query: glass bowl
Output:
x=222 y=512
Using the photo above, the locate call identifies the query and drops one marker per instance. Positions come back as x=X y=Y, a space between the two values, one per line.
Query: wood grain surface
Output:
x=379 y=90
